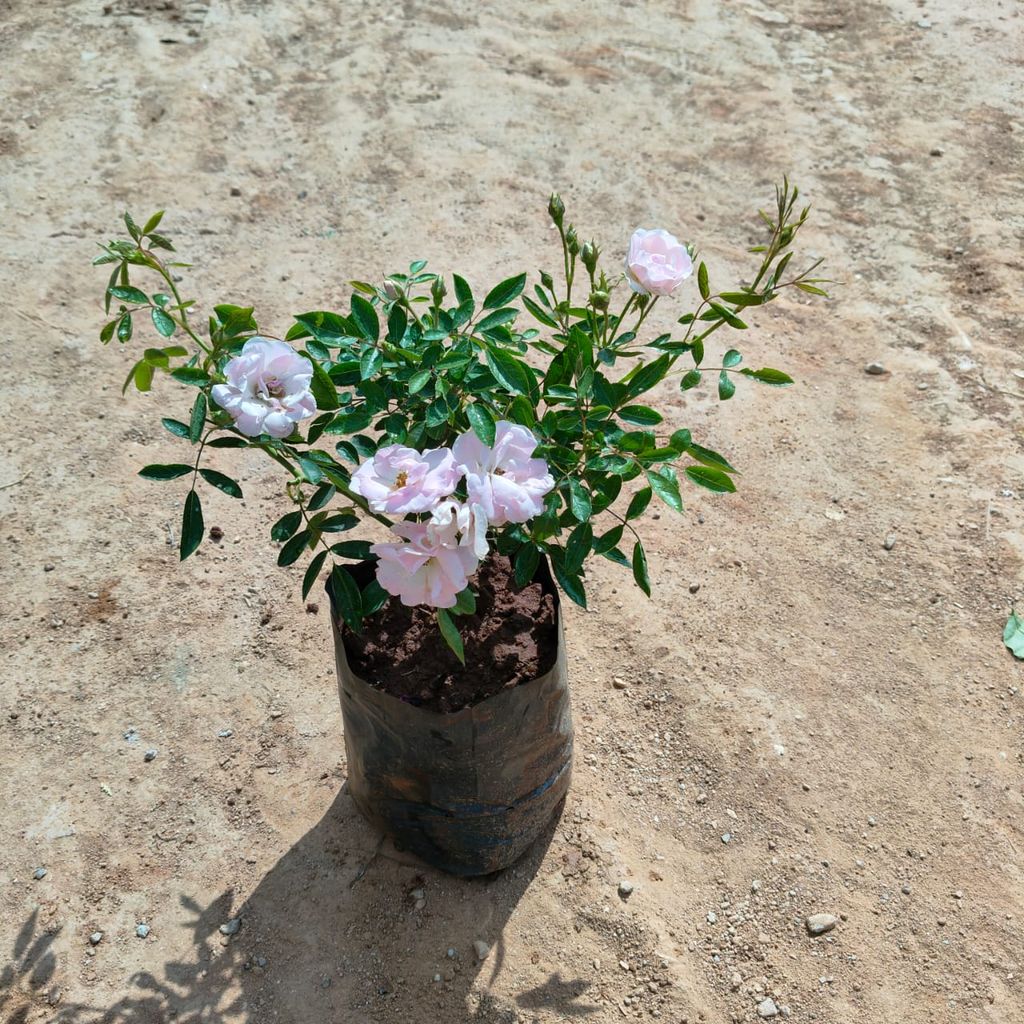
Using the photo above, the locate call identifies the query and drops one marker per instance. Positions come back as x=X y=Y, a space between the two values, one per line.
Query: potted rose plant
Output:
x=494 y=459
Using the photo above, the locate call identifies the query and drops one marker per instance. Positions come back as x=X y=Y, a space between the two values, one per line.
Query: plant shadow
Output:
x=342 y=928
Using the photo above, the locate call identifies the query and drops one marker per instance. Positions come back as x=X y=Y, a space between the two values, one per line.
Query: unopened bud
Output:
x=599 y=299
x=392 y=289
x=547 y=280
x=589 y=254
x=572 y=243
x=438 y=290
x=556 y=208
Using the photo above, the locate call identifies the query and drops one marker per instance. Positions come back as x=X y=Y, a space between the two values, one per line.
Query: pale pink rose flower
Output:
x=461 y=523
x=400 y=480
x=426 y=567
x=505 y=481
x=657 y=263
x=268 y=388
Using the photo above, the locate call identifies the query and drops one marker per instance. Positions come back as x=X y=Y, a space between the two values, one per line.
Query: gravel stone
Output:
x=231 y=927
x=96 y=938
x=875 y=369
x=818 y=924
x=481 y=949
x=625 y=889
x=767 y=1008
x=149 y=755
x=142 y=930
x=39 y=873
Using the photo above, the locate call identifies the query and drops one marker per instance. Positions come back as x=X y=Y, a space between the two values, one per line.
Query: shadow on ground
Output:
x=328 y=934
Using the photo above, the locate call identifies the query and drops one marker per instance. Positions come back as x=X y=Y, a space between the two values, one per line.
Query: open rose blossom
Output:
x=268 y=388
x=427 y=566
x=657 y=263
x=400 y=480
x=505 y=481
x=468 y=522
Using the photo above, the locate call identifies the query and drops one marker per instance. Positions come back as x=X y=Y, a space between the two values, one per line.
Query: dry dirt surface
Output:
x=805 y=720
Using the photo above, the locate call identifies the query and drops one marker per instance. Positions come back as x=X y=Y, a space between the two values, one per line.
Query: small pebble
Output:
x=767 y=1008
x=96 y=938
x=712 y=917
x=142 y=930
x=481 y=949
x=818 y=924
x=450 y=953
x=49 y=567
x=619 y=683
x=694 y=587
x=39 y=873
x=736 y=980
x=149 y=755
x=923 y=23
x=231 y=927
x=890 y=542
x=727 y=837
x=875 y=369
x=223 y=734
x=905 y=889
x=625 y=889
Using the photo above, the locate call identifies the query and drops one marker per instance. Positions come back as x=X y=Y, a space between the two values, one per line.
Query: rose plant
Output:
x=446 y=419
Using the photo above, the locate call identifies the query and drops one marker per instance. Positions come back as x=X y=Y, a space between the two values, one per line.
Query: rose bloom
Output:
x=657 y=263
x=427 y=566
x=268 y=388
x=400 y=480
x=463 y=524
x=505 y=481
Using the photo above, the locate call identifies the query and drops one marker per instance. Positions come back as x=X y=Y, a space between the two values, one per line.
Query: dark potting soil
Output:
x=511 y=639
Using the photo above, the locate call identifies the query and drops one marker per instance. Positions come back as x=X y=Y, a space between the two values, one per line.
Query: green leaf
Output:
x=124 y=328
x=713 y=479
x=221 y=482
x=578 y=547
x=710 y=458
x=1013 y=634
x=197 y=419
x=191 y=375
x=482 y=422
x=526 y=561
x=637 y=506
x=538 y=313
x=608 y=540
x=690 y=380
x=286 y=526
x=126 y=293
x=324 y=392
x=142 y=374
x=365 y=318
x=497 y=318
x=810 y=288
x=312 y=571
x=579 y=500
x=356 y=549
x=451 y=634
x=728 y=316
x=176 y=427
x=228 y=442
x=418 y=381
x=310 y=470
x=732 y=358
x=463 y=293
x=168 y=471
x=108 y=331
x=293 y=548
x=397 y=321
x=161 y=242
x=766 y=375
x=743 y=298
x=191 y=525
x=666 y=486
x=347 y=598
x=154 y=222
x=645 y=377
x=370 y=363
x=465 y=602
x=502 y=294
x=133 y=228
x=726 y=386
x=512 y=374
x=373 y=598
x=568 y=581
x=641 y=415
x=640 y=568
x=702 y=281
x=321 y=497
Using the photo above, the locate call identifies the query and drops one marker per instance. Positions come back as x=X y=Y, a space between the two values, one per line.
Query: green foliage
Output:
x=1013 y=634
x=417 y=360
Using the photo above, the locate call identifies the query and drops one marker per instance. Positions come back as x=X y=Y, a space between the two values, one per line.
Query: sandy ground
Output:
x=845 y=713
